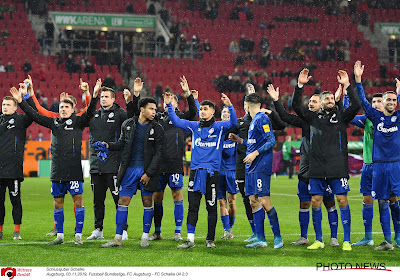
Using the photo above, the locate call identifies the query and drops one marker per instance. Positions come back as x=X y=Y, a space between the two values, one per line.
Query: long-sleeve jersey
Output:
x=229 y=154
x=207 y=141
x=386 y=135
x=260 y=138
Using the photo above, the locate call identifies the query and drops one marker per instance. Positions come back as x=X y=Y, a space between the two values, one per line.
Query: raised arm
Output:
x=297 y=103
x=40 y=119
x=369 y=111
x=233 y=118
x=291 y=119
x=184 y=124
x=191 y=113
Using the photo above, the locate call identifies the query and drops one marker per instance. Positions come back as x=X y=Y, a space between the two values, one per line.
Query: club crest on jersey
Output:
x=382 y=118
x=11 y=121
x=96 y=116
x=69 y=122
x=393 y=119
x=333 y=119
x=211 y=131
x=111 y=115
x=151 y=131
x=128 y=128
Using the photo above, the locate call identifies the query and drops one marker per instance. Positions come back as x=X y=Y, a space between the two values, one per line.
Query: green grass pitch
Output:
x=38 y=220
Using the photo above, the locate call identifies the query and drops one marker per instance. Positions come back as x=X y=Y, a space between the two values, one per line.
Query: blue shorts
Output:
x=257 y=183
x=60 y=189
x=174 y=181
x=131 y=183
x=337 y=186
x=366 y=179
x=386 y=180
x=227 y=183
x=304 y=194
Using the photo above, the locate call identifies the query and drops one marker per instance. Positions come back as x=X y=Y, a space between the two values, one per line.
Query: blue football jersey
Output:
x=386 y=145
x=207 y=142
x=260 y=134
x=228 y=156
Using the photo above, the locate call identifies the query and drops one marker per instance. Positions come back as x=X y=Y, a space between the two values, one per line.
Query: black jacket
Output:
x=152 y=150
x=174 y=140
x=66 y=142
x=328 y=136
x=105 y=125
x=12 y=142
x=242 y=130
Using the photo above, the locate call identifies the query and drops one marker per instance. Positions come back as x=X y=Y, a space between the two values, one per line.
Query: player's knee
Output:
x=124 y=200
x=342 y=200
x=177 y=195
x=368 y=199
x=329 y=204
x=305 y=204
x=158 y=197
x=147 y=201
x=316 y=201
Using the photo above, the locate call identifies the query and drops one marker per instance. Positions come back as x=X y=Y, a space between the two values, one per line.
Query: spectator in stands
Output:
x=287 y=52
x=250 y=45
x=264 y=44
x=109 y=82
x=41 y=73
x=29 y=137
x=286 y=73
x=127 y=66
x=182 y=45
x=158 y=92
x=206 y=46
x=54 y=106
x=274 y=73
x=10 y=67
x=44 y=103
x=89 y=68
x=195 y=45
x=363 y=9
x=70 y=64
x=358 y=44
x=2 y=67
x=40 y=137
x=1 y=15
x=243 y=44
x=4 y=33
x=49 y=27
x=43 y=43
x=235 y=13
x=382 y=71
x=27 y=67
x=233 y=47
x=264 y=61
x=239 y=60
x=246 y=10
x=151 y=10
x=129 y=8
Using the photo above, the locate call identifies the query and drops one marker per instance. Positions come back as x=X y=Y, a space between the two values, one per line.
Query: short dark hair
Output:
x=144 y=101
x=378 y=94
x=388 y=92
x=252 y=98
x=73 y=100
x=67 y=101
x=11 y=98
x=322 y=94
x=207 y=103
x=109 y=89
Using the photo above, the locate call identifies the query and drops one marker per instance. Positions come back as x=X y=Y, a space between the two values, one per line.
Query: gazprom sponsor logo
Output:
x=386 y=130
x=198 y=143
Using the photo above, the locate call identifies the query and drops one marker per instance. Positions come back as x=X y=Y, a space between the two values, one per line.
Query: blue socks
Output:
x=178 y=213
x=59 y=219
x=158 y=214
x=231 y=221
x=259 y=217
x=147 y=218
x=317 y=219
x=384 y=216
x=121 y=218
x=368 y=215
x=191 y=228
x=304 y=220
x=225 y=222
x=79 y=218
x=346 y=222
x=274 y=222
x=253 y=228
x=333 y=221
x=395 y=210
